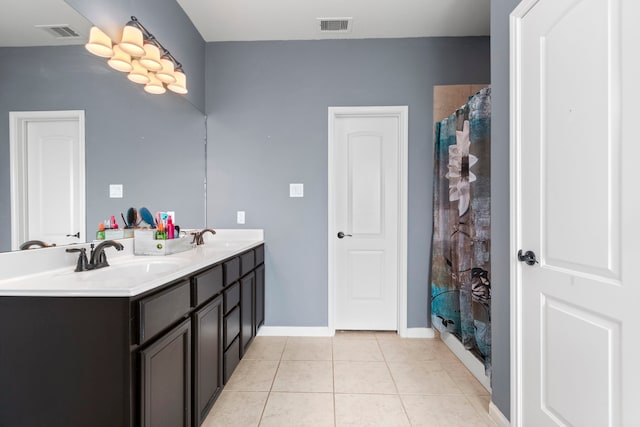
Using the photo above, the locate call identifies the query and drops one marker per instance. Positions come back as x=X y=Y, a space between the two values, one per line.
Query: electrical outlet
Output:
x=115 y=191
x=240 y=217
x=296 y=190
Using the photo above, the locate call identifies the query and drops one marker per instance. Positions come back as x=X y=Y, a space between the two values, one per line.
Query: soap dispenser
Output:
x=100 y=235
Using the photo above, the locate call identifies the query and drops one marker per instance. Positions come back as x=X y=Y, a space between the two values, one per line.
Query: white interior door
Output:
x=366 y=200
x=576 y=105
x=48 y=179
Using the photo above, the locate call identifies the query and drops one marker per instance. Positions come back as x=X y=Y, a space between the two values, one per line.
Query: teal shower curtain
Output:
x=460 y=264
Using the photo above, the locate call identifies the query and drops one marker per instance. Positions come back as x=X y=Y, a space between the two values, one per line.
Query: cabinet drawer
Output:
x=231 y=359
x=259 y=254
x=231 y=326
x=208 y=284
x=161 y=310
x=231 y=271
x=231 y=297
x=247 y=262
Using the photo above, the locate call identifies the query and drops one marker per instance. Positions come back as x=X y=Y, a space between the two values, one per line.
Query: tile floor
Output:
x=353 y=379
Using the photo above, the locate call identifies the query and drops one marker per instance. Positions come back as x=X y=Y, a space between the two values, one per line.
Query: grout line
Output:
x=272 y=382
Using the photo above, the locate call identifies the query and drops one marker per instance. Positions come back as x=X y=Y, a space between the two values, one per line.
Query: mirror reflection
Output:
x=139 y=149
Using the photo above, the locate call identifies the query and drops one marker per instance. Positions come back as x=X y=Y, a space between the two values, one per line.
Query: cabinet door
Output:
x=259 y=297
x=247 y=286
x=207 y=337
x=166 y=379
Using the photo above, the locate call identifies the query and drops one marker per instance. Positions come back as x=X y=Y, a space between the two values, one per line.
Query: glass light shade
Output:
x=166 y=74
x=139 y=74
x=132 y=42
x=99 y=43
x=151 y=58
x=154 y=86
x=120 y=60
x=180 y=85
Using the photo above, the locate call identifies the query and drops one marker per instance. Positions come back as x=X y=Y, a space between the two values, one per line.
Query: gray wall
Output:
x=152 y=144
x=500 y=285
x=166 y=20
x=266 y=104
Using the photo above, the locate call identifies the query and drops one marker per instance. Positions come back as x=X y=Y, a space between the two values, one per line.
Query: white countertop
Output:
x=128 y=275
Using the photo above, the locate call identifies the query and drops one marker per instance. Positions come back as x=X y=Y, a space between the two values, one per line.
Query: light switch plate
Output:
x=115 y=191
x=296 y=190
x=240 y=217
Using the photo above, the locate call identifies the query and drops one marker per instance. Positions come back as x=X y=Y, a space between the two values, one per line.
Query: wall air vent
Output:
x=60 y=31
x=335 y=25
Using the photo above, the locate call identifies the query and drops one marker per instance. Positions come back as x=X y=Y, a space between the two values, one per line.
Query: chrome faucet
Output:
x=35 y=243
x=198 y=238
x=98 y=257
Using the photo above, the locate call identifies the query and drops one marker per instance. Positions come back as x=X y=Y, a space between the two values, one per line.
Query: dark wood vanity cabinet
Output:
x=165 y=380
x=153 y=360
x=207 y=366
x=247 y=311
x=259 y=300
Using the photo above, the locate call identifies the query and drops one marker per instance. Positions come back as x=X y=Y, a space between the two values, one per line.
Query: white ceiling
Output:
x=238 y=20
x=235 y=20
x=19 y=18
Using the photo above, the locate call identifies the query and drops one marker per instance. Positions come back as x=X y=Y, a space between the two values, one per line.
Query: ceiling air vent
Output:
x=60 y=31
x=335 y=25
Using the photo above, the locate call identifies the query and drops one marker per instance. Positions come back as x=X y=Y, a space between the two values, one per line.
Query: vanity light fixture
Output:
x=99 y=43
x=180 y=85
x=154 y=86
x=141 y=55
x=139 y=74
x=151 y=58
x=120 y=60
x=132 y=41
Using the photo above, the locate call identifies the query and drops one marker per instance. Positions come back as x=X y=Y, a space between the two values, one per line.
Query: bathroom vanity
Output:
x=145 y=342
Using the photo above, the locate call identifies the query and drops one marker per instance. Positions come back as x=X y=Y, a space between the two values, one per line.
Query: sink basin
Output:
x=136 y=268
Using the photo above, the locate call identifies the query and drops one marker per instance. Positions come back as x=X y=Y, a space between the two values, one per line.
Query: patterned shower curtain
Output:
x=460 y=264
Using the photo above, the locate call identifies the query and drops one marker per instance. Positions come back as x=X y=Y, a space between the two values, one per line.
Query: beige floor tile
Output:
x=370 y=410
x=355 y=335
x=357 y=349
x=406 y=350
x=468 y=383
x=481 y=404
x=441 y=352
x=387 y=335
x=237 y=408
x=442 y=411
x=298 y=409
x=363 y=377
x=422 y=378
x=253 y=375
x=454 y=367
x=266 y=348
x=304 y=376
x=308 y=349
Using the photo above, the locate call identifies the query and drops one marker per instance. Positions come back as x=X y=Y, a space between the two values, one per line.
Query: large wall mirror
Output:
x=152 y=145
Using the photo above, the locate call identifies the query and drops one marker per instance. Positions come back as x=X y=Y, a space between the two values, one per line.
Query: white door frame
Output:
x=402 y=113
x=18 y=121
x=515 y=230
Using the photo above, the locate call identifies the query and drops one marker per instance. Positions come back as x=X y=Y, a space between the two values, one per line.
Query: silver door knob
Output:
x=342 y=235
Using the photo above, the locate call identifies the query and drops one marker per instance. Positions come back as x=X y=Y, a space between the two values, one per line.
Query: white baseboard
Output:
x=469 y=360
x=418 y=333
x=294 y=331
x=497 y=416
x=322 y=331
